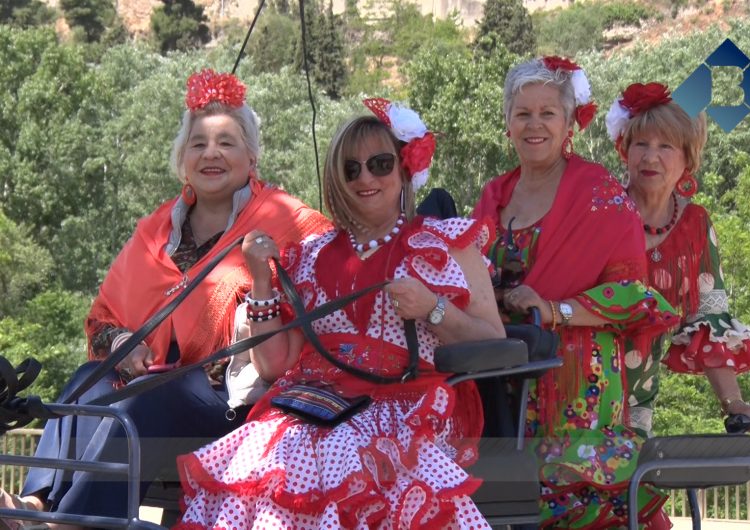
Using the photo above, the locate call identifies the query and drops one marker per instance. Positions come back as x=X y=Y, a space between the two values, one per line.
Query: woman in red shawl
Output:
x=571 y=244
x=662 y=146
x=215 y=156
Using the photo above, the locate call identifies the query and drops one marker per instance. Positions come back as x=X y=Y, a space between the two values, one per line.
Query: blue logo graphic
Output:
x=694 y=94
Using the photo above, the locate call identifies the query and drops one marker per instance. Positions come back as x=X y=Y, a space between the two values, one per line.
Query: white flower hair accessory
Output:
x=616 y=120
x=407 y=126
x=585 y=108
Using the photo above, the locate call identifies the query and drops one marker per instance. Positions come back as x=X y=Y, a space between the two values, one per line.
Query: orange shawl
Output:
x=135 y=286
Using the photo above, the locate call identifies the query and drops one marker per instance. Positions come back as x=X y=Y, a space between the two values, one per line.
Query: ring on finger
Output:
x=395 y=303
x=126 y=373
x=259 y=239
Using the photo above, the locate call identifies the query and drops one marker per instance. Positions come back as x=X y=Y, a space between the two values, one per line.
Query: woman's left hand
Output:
x=522 y=298
x=410 y=298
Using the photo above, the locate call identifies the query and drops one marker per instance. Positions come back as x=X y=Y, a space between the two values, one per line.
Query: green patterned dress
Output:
x=576 y=428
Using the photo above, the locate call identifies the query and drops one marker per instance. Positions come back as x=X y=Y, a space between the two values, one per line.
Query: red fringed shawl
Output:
x=591 y=235
x=135 y=286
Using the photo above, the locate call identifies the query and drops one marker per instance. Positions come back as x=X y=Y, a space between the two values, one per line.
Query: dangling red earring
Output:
x=687 y=185
x=507 y=133
x=567 y=146
x=188 y=194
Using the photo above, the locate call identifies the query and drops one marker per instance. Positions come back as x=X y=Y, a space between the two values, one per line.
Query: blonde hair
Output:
x=245 y=118
x=671 y=122
x=338 y=199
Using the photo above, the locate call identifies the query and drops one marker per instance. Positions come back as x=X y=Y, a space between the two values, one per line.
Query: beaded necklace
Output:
x=375 y=243
x=666 y=228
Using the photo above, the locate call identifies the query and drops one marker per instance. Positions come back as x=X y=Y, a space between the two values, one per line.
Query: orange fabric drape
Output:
x=135 y=286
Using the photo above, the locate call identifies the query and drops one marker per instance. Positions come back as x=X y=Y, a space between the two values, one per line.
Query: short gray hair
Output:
x=533 y=72
x=244 y=116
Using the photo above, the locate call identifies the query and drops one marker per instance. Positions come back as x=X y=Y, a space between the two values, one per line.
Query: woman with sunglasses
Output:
x=570 y=244
x=662 y=147
x=397 y=460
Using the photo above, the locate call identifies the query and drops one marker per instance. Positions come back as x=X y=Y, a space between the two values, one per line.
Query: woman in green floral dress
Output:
x=577 y=255
x=662 y=147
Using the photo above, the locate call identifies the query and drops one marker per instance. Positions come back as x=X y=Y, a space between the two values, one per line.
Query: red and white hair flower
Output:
x=407 y=126
x=585 y=108
x=207 y=86
x=635 y=99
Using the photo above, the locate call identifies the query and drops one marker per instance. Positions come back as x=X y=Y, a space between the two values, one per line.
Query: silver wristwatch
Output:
x=566 y=312
x=436 y=316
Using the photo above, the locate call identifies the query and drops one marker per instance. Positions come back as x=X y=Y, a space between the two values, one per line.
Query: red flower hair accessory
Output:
x=407 y=126
x=636 y=99
x=585 y=108
x=207 y=85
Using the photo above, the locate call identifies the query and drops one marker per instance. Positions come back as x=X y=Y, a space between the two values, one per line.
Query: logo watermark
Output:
x=696 y=92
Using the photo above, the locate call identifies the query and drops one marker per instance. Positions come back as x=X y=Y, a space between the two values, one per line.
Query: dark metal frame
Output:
x=131 y=470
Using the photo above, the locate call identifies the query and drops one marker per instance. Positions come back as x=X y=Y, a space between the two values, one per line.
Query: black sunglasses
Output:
x=379 y=165
x=511 y=271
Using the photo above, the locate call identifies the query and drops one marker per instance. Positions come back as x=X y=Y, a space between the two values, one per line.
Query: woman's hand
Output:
x=410 y=298
x=136 y=363
x=522 y=298
x=258 y=248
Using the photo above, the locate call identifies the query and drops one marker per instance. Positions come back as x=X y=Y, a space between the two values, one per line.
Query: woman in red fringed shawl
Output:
x=215 y=156
x=570 y=243
x=662 y=146
x=397 y=462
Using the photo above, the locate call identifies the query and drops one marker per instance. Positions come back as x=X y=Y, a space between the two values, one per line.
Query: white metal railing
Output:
x=727 y=503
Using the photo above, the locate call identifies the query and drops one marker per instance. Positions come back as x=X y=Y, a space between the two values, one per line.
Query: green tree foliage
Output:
x=49 y=329
x=381 y=51
x=25 y=13
x=581 y=26
x=330 y=67
x=179 y=25
x=460 y=97
x=505 y=22
x=272 y=45
x=89 y=18
x=25 y=267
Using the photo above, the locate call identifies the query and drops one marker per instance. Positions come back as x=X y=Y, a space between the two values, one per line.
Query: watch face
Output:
x=436 y=315
x=566 y=310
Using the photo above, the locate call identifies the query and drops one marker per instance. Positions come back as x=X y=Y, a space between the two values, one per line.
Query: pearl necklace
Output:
x=375 y=243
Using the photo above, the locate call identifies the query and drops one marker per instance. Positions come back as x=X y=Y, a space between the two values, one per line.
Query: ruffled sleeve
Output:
x=630 y=306
x=429 y=258
x=711 y=337
x=295 y=262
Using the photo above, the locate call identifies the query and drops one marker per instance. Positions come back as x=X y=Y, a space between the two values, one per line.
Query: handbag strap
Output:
x=409 y=328
x=127 y=346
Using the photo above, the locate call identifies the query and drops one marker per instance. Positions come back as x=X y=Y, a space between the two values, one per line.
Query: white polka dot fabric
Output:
x=391 y=466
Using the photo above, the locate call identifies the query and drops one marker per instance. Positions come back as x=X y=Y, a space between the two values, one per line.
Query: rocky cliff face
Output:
x=136 y=14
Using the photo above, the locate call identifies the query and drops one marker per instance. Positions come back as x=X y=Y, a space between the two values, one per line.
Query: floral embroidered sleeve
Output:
x=712 y=337
x=630 y=306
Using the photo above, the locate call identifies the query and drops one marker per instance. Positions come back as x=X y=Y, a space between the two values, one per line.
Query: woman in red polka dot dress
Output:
x=399 y=461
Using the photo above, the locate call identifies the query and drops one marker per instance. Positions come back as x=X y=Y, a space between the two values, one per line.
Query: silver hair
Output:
x=244 y=116
x=532 y=72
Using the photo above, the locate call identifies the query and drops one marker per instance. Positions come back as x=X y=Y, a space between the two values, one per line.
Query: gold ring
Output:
x=395 y=303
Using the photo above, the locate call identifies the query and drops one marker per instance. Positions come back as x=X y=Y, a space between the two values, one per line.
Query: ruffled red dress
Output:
x=399 y=463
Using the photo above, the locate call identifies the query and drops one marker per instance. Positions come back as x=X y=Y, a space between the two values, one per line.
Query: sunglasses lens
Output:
x=381 y=165
x=351 y=170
